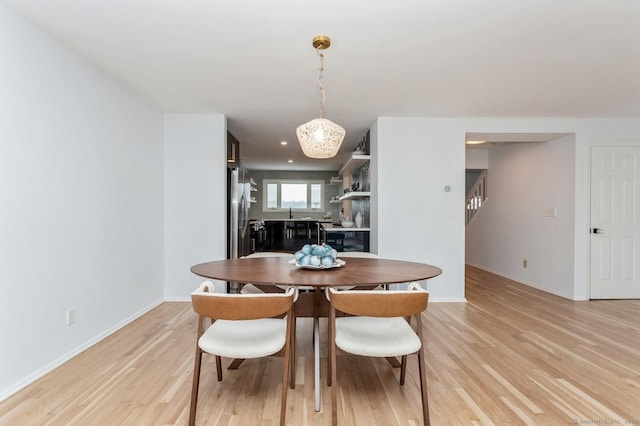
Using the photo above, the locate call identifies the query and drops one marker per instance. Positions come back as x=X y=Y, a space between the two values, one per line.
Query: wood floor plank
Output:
x=511 y=355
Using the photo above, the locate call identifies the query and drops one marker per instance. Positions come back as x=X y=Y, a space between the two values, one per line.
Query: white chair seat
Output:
x=244 y=339
x=376 y=337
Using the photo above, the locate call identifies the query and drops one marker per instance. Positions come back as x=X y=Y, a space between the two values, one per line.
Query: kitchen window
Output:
x=297 y=195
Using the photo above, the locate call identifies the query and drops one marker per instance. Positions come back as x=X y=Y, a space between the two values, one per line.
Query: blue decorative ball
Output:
x=327 y=261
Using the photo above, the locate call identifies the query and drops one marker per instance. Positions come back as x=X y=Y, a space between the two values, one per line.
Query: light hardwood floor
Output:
x=511 y=355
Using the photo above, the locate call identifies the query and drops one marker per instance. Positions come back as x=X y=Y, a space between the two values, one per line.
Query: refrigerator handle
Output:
x=244 y=207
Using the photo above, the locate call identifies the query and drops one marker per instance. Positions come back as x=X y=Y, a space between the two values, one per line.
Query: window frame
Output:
x=279 y=182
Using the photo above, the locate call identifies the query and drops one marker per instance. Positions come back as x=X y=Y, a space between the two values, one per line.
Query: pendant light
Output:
x=320 y=138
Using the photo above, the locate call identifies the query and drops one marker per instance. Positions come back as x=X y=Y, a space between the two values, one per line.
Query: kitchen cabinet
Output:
x=290 y=235
x=356 y=185
x=233 y=151
x=258 y=236
x=346 y=239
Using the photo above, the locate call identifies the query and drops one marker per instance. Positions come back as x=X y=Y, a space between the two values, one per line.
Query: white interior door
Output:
x=615 y=228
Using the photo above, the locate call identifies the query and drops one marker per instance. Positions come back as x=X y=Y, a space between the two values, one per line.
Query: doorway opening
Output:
x=525 y=228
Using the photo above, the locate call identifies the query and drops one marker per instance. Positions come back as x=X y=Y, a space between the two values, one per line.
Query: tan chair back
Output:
x=241 y=306
x=379 y=303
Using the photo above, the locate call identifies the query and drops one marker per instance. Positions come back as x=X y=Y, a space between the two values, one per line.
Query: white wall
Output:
x=523 y=180
x=195 y=192
x=80 y=204
x=417 y=157
x=477 y=158
x=416 y=219
x=593 y=132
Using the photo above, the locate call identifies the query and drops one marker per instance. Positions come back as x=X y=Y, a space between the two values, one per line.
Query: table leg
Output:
x=313 y=305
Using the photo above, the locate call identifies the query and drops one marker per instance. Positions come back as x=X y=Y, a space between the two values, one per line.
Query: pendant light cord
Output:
x=321 y=90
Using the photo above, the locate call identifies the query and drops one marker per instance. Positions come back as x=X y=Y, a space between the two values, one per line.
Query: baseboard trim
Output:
x=177 y=299
x=11 y=390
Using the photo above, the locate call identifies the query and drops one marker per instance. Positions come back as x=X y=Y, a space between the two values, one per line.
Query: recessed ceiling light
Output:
x=474 y=142
x=290 y=161
x=283 y=142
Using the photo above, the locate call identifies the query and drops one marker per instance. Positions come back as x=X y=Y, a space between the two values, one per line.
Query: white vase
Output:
x=358 y=220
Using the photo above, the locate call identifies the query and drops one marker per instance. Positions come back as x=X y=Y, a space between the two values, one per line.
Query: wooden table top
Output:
x=278 y=271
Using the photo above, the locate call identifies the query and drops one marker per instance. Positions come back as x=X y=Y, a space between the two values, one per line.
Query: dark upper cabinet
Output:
x=233 y=151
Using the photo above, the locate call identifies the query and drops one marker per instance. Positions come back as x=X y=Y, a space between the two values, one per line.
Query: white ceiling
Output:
x=253 y=60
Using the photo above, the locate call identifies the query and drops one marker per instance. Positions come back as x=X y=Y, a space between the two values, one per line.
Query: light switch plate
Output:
x=71 y=316
x=549 y=212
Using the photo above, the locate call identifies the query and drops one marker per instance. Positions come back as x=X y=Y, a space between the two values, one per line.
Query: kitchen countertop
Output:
x=326 y=224
x=294 y=220
x=332 y=227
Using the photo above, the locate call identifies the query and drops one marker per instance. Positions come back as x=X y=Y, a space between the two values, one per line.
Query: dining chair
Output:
x=361 y=254
x=249 y=288
x=377 y=323
x=242 y=326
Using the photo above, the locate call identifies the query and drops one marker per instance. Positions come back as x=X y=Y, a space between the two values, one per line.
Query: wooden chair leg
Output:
x=330 y=342
x=422 y=370
x=403 y=369
x=423 y=387
x=286 y=366
x=334 y=382
x=195 y=386
x=219 y=367
x=293 y=360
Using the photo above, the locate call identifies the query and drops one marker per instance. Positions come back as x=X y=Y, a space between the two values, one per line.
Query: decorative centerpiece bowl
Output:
x=317 y=256
x=346 y=224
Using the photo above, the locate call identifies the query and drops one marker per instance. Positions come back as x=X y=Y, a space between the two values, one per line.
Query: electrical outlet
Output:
x=71 y=316
x=524 y=263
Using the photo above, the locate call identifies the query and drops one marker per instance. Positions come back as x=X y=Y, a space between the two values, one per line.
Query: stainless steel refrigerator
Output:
x=239 y=202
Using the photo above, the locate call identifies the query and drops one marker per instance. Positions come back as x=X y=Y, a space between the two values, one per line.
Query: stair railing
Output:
x=476 y=196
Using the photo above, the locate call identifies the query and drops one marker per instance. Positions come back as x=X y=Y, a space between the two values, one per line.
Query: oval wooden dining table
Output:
x=278 y=271
x=273 y=271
